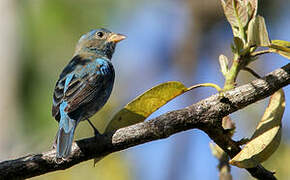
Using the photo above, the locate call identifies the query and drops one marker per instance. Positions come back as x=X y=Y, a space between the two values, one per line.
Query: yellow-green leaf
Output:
x=266 y=137
x=145 y=104
x=281 y=47
x=257 y=32
x=281 y=43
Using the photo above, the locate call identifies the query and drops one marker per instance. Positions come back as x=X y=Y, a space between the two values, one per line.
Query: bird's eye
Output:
x=100 y=34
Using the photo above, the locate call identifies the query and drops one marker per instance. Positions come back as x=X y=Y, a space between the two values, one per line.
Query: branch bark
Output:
x=205 y=115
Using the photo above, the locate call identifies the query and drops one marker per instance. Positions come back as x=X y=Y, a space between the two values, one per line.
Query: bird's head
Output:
x=100 y=41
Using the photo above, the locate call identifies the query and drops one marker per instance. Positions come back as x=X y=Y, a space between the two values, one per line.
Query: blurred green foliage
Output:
x=49 y=31
x=110 y=168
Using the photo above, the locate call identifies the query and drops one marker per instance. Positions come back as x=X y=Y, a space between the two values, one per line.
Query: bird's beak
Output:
x=116 y=38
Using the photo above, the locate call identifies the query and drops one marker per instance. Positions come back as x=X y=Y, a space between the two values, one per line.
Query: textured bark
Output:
x=205 y=115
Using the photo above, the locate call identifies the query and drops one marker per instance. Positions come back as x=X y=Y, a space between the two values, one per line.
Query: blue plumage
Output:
x=84 y=85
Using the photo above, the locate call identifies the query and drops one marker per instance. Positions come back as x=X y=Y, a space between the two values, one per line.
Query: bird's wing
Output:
x=79 y=82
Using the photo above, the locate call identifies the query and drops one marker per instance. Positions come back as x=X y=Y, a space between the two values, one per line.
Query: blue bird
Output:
x=84 y=85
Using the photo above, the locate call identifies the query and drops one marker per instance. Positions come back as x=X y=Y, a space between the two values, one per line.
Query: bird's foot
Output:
x=54 y=144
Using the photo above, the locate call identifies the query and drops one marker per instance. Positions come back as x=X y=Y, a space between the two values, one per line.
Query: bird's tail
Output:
x=65 y=136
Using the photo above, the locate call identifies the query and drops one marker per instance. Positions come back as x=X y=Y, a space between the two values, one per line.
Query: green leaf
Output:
x=280 y=47
x=236 y=32
x=266 y=137
x=239 y=44
x=257 y=32
x=224 y=64
x=236 y=13
x=252 y=8
x=144 y=105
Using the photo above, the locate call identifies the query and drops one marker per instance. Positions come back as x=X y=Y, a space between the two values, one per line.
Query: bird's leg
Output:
x=54 y=144
x=96 y=132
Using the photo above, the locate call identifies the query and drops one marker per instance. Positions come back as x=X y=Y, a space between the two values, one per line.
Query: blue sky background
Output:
x=190 y=149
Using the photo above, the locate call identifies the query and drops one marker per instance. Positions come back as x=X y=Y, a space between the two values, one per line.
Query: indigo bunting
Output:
x=84 y=85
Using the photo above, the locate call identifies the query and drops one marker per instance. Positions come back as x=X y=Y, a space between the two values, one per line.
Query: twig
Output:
x=205 y=115
x=258 y=53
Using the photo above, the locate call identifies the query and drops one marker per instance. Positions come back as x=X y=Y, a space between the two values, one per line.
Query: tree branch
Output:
x=205 y=115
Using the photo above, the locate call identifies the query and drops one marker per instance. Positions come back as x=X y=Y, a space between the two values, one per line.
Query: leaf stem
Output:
x=258 y=53
x=205 y=85
x=232 y=75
